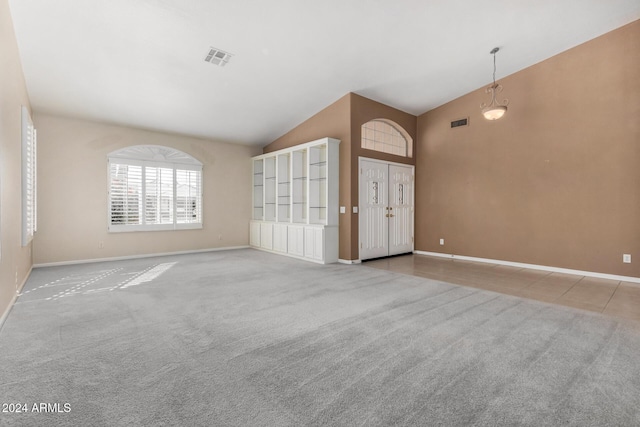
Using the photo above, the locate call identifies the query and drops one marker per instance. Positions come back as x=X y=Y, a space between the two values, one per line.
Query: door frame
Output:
x=413 y=197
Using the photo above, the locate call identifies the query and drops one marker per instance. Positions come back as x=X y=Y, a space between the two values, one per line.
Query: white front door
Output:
x=400 y=209
x=386 y=209
x=374 y=226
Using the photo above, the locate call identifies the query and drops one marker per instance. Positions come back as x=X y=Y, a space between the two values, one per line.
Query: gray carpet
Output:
x=246 y=338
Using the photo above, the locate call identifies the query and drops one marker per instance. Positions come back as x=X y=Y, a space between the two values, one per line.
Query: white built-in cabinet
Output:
x=295 y=201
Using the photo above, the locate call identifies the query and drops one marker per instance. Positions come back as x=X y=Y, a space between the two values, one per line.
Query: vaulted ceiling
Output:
x=141 y=62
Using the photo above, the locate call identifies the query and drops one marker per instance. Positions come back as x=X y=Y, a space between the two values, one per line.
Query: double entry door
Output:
x=386 y=208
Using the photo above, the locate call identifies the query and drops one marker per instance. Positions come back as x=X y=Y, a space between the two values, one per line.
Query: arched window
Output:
x=386 y=136
x=152 y=187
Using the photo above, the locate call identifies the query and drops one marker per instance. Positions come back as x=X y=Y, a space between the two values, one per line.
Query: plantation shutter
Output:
x=188 y=195
x=125 y=189
x=158 y=195
x=29 y=178
x=154 y=188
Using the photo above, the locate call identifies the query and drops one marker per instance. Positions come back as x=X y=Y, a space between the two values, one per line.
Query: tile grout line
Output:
x=538 y=280
x=572 y=286
x=477 y=281
x=611 y=297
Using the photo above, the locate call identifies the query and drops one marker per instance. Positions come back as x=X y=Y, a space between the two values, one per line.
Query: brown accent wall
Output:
x=333 y=122
x=342 y=120
x=556 y=181
x=364 y=110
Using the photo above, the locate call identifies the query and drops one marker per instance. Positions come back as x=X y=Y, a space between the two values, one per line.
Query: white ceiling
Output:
x=141 y=62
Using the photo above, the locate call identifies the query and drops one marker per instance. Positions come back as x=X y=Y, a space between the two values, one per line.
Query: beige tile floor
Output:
x=612 y=297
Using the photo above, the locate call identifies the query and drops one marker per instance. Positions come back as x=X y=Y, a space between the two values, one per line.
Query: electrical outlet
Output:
x=442 y=242
x=343 y=209
x=626 y=258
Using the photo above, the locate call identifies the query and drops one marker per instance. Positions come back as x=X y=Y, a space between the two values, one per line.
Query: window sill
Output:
x=160 y=227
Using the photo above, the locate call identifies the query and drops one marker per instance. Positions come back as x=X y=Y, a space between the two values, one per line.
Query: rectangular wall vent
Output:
x=218 y=57
x=460 y=122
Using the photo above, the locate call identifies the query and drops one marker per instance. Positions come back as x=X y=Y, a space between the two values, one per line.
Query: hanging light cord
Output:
x=494 y=68
x=493 y=87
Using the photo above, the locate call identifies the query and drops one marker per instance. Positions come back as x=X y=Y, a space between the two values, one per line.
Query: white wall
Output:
x=72 y=192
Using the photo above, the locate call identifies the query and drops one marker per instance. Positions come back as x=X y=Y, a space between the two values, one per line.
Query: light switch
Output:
x=355 y=209
x=343 y=209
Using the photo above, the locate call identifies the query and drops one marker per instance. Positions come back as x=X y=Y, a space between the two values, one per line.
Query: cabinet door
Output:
x=254 y=234
x=258 y=189
x=284 y=188
x=299 y=186
x=318 y=244
x=266 y=236
x=270 y=189
x=280 y=237
x=295 y=237
x=314 y=243
x=318 y=184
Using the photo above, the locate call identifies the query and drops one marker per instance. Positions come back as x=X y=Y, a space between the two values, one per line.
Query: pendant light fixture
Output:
x=495 y=109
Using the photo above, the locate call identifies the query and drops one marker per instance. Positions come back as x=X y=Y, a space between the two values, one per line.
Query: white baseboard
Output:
x=350 y=261
x=120 y=258
x=533 y=266
x=7 y=311
x=4 y=316
x=301 y=258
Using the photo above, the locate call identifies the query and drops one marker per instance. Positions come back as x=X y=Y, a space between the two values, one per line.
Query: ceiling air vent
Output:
x=218 y=57
x=460 y=122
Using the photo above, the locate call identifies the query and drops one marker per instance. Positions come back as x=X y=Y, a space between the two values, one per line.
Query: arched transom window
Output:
x=386 y=136
x=152 y=187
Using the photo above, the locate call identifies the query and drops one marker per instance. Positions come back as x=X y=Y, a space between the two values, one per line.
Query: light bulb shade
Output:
x=494 y=112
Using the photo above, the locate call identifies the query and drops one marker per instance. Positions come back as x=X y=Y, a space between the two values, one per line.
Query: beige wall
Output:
x=15 y=260
x=72 y=193
x=555 y=182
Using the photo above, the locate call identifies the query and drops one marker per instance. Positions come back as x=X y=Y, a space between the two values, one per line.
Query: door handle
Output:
x=390 y=215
